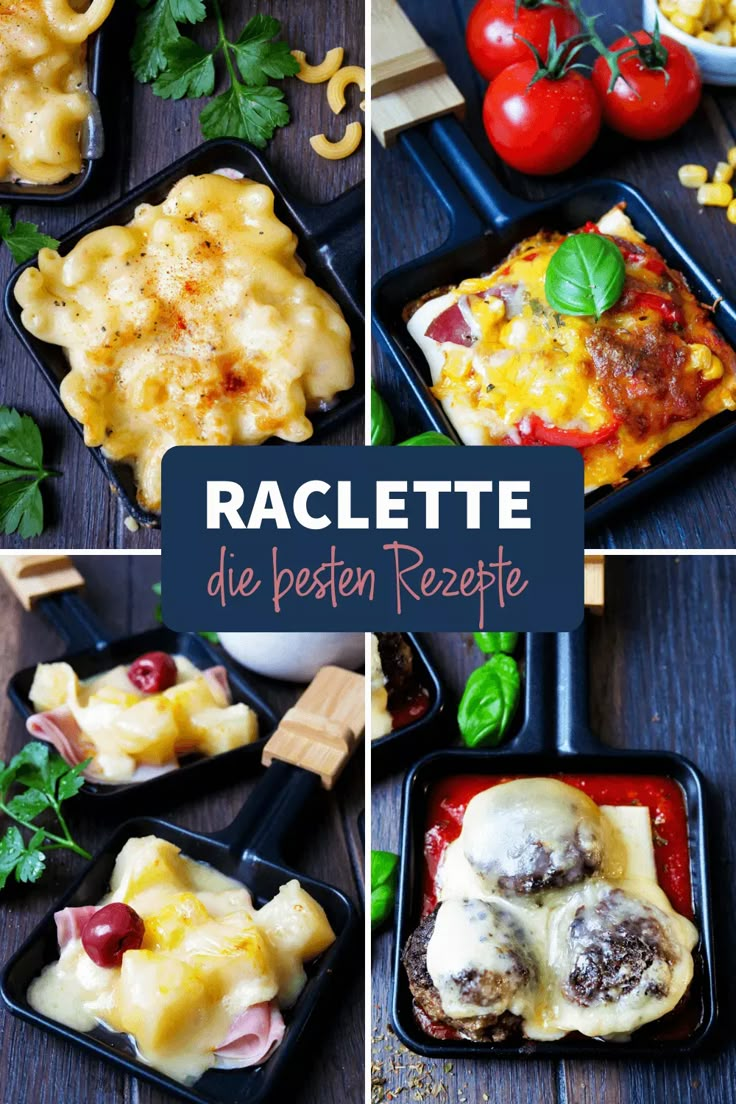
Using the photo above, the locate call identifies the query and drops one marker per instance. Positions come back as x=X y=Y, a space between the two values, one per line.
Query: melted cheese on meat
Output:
x=193 y=325
x=460 y=947
x=207 y=955
x=44 y=100
x=380 y=717
x=526 y=361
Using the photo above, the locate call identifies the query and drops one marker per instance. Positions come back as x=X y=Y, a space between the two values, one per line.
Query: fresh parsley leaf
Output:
x=28 y=805
x=23 y=239
x=21 y=473
x=12 y=849
x=21 y=508
x=252 y=114
x=71 y=782
x=31 y=866
x=156 y=31
x=258 y=57
x=20 y=439
x=190 y=71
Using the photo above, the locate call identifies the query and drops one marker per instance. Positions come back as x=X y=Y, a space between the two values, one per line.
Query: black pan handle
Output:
x=74 y=621
x=465 y=222
x=273 y=809
x=474 y=175
x=573 y=723
x=538 y=733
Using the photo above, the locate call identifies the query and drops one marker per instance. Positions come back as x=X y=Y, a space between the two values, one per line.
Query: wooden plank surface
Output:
x=36 y=1068
x=145 y=134
x=662 y=677
x=699 y=510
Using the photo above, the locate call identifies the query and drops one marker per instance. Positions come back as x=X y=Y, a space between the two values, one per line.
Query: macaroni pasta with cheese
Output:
x=43 y=95
x=193 y=325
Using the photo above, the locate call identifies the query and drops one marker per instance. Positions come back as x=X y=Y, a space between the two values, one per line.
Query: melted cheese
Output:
x=380 y=717
x=467 y=944
x=526 y=361
x=121 y=728
x=207 y=955
x=193 y=325
x=44 y=100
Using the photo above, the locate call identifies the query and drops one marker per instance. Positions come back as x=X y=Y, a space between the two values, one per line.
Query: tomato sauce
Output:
x=663 y=797
x=410 y=709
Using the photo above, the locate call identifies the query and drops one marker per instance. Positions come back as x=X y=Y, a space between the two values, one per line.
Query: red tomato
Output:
x=494 y=24
x=545 y=127
x=660 y=92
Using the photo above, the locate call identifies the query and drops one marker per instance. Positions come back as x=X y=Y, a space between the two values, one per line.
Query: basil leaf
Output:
x=428 y=438
x=384 y=875
x=492 y=642
x=382 y=422
x=585 y=275
x=489 y=702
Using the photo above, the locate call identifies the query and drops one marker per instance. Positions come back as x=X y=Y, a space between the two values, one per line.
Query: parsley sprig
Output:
x=43 y=781
x=23 y=239
x=21 y=474
x=250 y=108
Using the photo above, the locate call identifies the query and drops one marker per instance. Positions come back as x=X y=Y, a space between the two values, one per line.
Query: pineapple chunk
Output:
x=189 y=698
x=232 y=955
x=162 y=1001
x=148 y=730
x=295 y=923
x=54 y=685
x=219 y=730
x=165 y=930
x=114 y=696
x=148 y=862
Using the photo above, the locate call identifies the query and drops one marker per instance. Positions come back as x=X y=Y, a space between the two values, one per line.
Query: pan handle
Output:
x=74 y=622
x=274 y=808
x=465 y=222
x=573 y=723
x=538 y=733
x=474 y=175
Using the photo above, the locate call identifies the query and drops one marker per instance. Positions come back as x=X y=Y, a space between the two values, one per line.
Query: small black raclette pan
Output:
x=541 y=749
x=249 y=850
x=331 y=243
x=486 y=222
x=405 y=743
x=91 y=652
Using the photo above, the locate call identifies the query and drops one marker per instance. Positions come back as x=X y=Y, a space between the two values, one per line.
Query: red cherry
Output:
x=111 y=932
x=153 y=672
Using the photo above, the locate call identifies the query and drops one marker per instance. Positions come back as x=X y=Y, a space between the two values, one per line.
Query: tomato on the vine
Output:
x=496 y=28
x=649 y=85
x=542 y=118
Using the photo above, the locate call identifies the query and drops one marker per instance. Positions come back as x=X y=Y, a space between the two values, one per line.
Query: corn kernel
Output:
x=731 y=212
x=731 y=156
x=692 y=176
x=715 y=195
x=706 y=36
x=715 y=370
x=731 y=10
x=669 y=7
x=699 y=358
x=723 y=173
x=721 y=37
x=684 y=23
x=695 y=8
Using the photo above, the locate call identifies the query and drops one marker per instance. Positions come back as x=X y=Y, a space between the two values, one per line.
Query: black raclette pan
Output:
x=403 y=745
x=543 y=749
x=248 y=850
x=486 y=222
x=331 y=243
x=91 y=651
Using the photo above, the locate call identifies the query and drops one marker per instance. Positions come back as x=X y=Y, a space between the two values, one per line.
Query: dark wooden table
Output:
x=145 y=134
x=36 y=1068
x=699 y=511
x=662 y=677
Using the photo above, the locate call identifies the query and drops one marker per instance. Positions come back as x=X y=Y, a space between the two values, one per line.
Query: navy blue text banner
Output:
x=442 y=539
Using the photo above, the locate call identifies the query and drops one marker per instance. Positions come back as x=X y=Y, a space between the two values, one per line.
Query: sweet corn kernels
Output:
x=714 y=370
x=731 y=212
x=723 y=173
x=715 y=195
x=699 y=358
x=692 y=176
x=731 y=156
x=684 y=23
x=709 y=20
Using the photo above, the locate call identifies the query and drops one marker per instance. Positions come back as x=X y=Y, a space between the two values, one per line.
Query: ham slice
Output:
x=253 y=1037
x=217 y=679
x=70 y=922
x=451 y=326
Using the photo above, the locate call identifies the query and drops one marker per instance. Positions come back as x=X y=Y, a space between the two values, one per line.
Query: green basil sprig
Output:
x=428 y=438
x=489 y=702
x=382 y=423
x=384 y=875
x=585 y=275
x=492 y=642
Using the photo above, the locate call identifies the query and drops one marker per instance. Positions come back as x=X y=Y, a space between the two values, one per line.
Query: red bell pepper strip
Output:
x=651 y=300
x=537 y=432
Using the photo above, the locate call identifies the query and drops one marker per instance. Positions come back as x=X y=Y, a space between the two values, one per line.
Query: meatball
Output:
x=533 y=834
x=469 y=967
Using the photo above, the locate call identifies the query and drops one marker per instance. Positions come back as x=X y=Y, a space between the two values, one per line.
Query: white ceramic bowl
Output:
x=296 y=657
x=717 y=64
